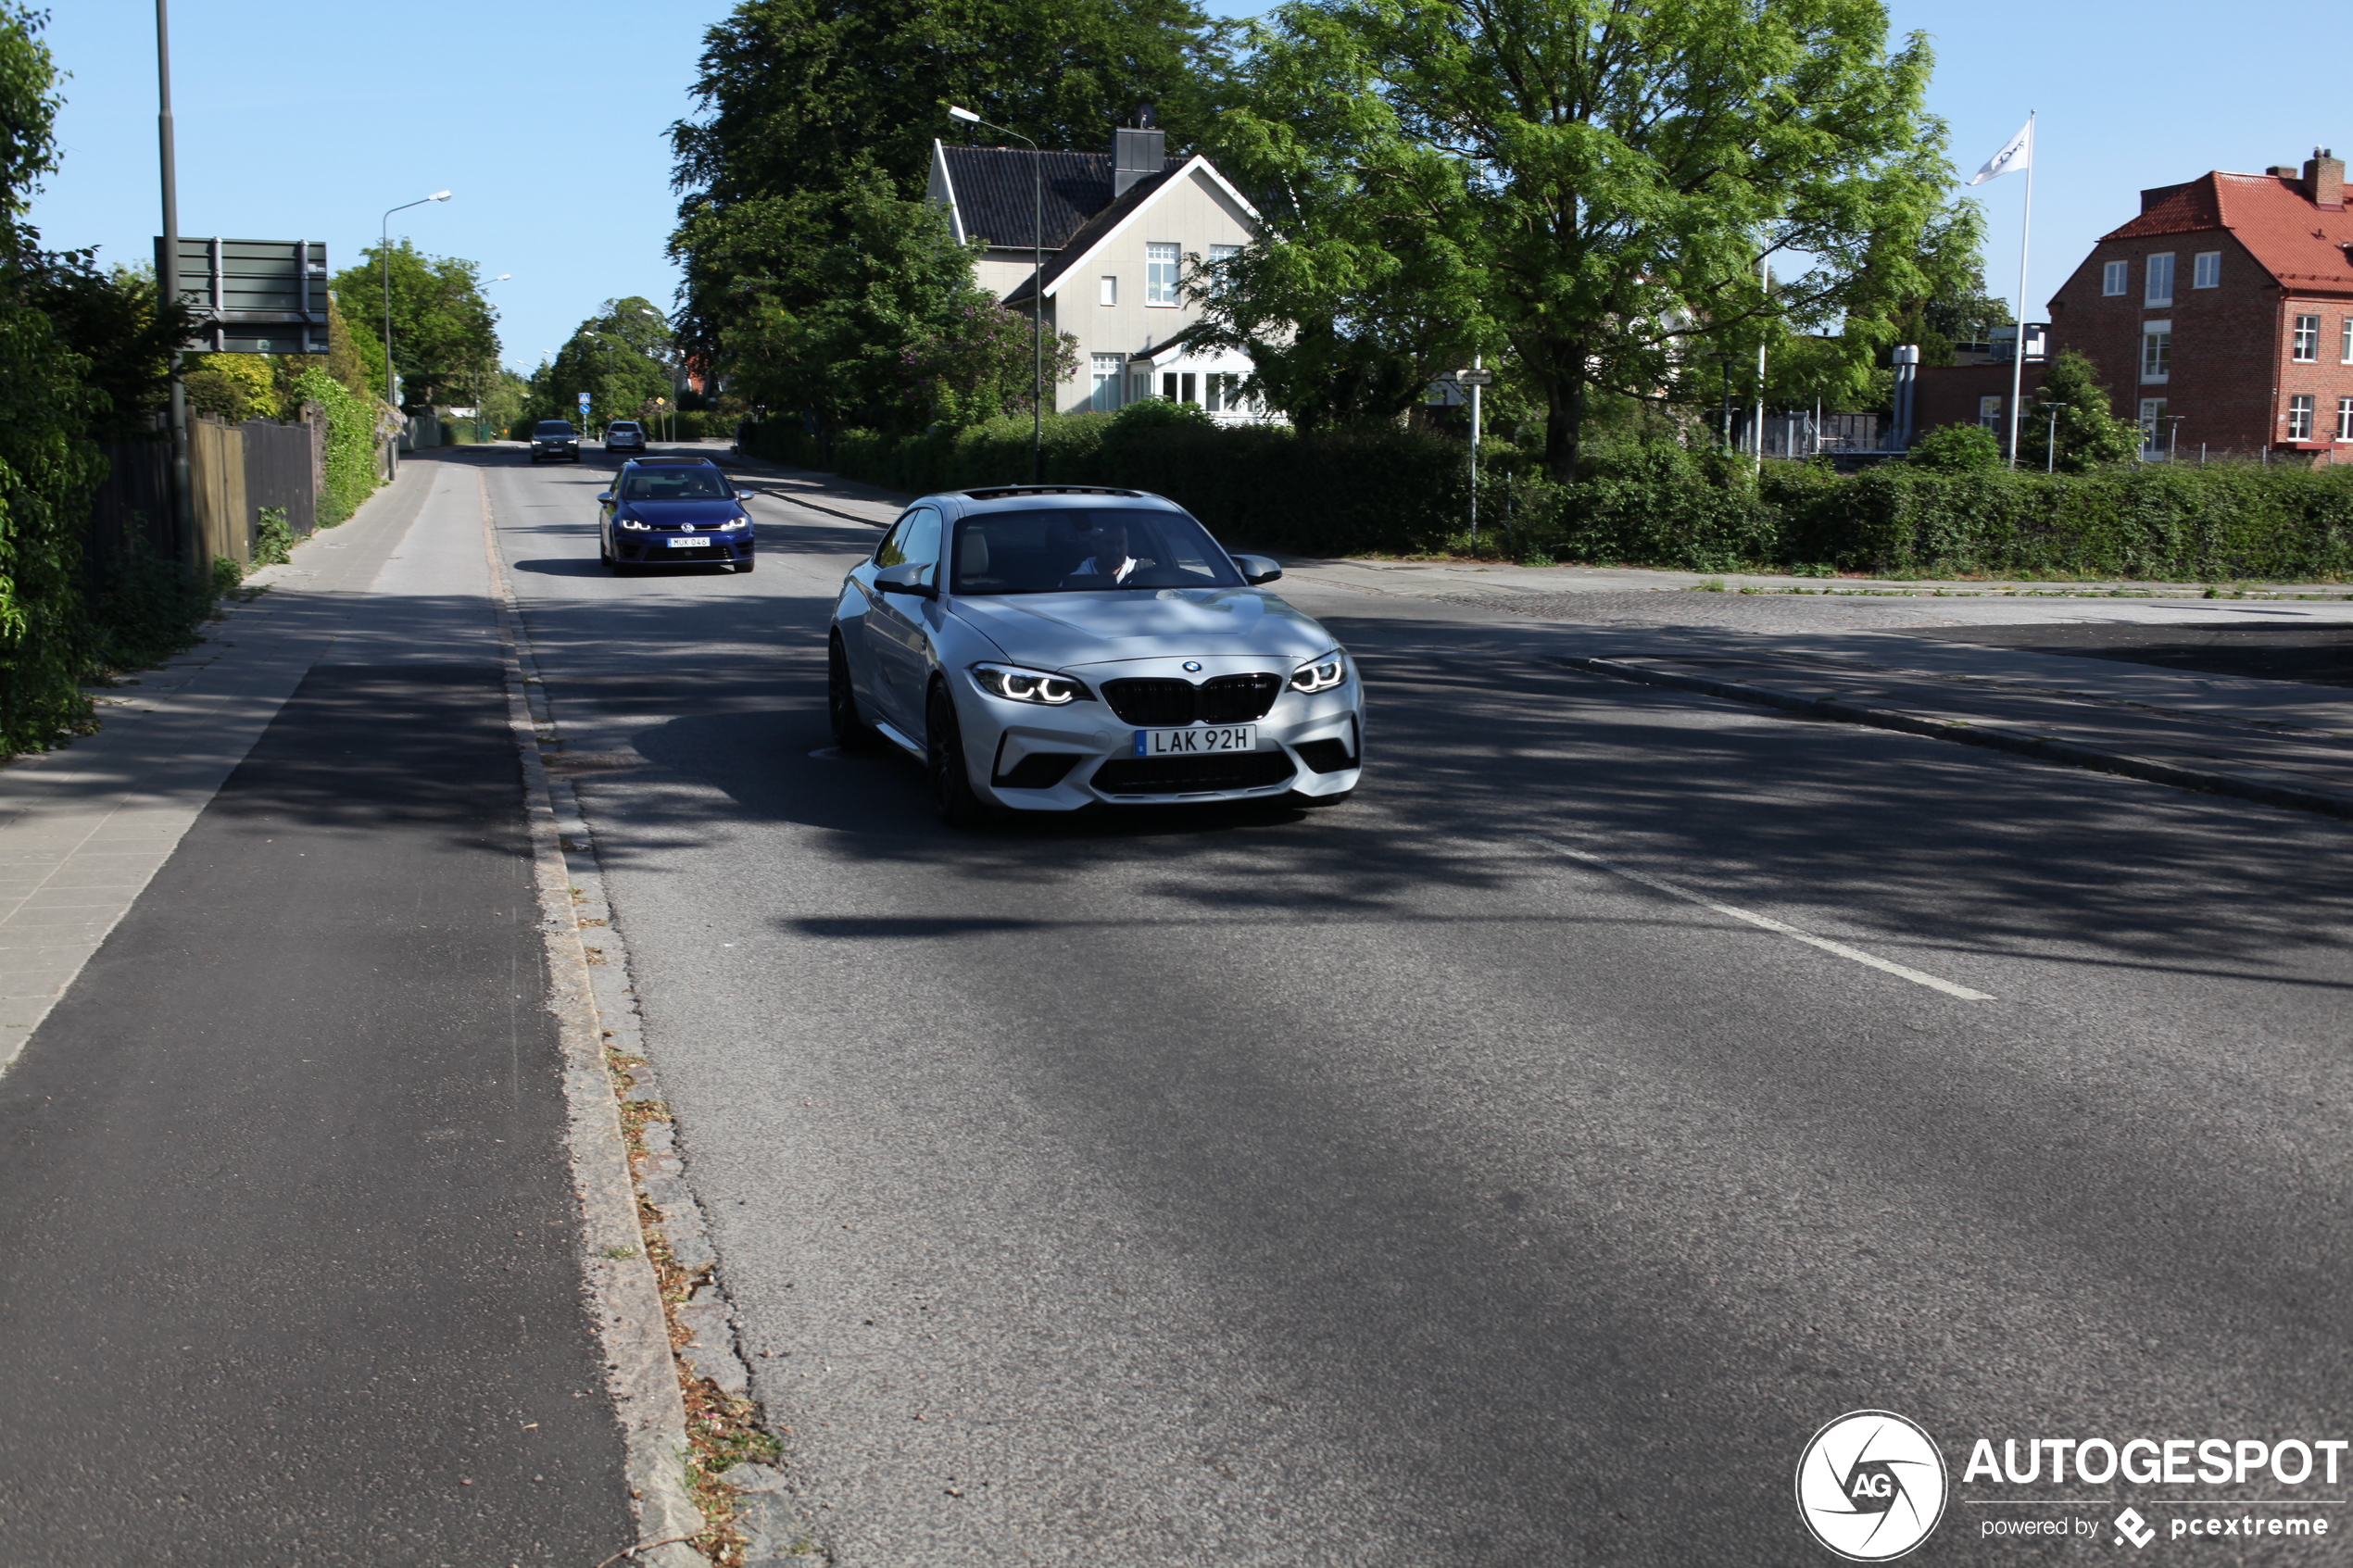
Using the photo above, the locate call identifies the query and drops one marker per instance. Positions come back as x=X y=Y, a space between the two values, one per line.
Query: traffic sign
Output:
x=1475 y=378
x=251 y=297
x=584 y=405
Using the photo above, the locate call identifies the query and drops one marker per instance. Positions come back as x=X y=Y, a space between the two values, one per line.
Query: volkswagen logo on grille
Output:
x=1192 y=667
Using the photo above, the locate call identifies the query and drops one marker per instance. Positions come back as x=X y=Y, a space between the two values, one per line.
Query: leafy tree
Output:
x=621 y=356
x=1595 y=183
x=1954 y=307
x=235 y=386
x=444 y=333
x=981 y=365
x=794 y=93
x=110 y=319
x=843 y=304
x=1956 y=449
x=2090 y=436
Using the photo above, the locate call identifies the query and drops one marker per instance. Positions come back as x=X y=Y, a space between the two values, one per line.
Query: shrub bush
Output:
x=1406 y=491
x=351 y=446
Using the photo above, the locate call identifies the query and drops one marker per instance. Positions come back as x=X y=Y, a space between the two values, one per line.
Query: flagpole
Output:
x=2017 y=345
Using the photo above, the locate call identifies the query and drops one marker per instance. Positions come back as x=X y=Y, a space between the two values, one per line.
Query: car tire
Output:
x=852 y=732
x=745 y=564
x=951 y=779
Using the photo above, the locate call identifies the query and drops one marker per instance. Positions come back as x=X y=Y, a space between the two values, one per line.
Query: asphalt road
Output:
x=1399 y=1184
x=289 y=1261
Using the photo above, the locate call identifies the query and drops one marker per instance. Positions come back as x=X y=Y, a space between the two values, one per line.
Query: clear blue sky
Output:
x=305 y=121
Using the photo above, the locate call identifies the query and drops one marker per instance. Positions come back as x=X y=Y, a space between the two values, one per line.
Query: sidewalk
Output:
x=295 y=1257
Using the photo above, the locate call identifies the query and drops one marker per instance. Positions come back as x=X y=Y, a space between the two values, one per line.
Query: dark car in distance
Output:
x=554 y=438
x=673 y=511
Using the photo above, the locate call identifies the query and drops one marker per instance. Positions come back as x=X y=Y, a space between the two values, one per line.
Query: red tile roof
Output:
x=2301 y=244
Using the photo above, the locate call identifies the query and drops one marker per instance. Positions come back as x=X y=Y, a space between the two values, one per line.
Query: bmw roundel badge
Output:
x=1192 y=667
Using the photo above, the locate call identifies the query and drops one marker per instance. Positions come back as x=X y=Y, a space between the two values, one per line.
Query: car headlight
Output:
x=1028 y=685
x=1320 y=674
x=736 y=521
x=634 y=526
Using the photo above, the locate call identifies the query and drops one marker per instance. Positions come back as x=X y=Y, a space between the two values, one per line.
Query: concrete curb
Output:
x=640 y=1373
x=2251 y=785
x=768 y=470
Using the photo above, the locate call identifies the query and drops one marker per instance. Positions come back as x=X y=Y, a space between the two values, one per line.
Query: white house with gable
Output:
x=1120 y=231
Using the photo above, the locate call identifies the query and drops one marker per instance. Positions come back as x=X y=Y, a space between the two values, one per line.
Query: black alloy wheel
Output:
x=850 y=731
x=951 y=781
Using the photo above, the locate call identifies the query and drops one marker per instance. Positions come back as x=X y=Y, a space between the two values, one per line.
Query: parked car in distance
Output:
x=673 y=511
x=624 y=434
x=1051 y=648
x=554 y=439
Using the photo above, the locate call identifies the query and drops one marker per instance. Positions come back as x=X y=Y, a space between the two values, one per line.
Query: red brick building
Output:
x=2221 y=316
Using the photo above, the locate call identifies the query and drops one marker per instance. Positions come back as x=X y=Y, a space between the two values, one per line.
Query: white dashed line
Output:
x=1765 y=922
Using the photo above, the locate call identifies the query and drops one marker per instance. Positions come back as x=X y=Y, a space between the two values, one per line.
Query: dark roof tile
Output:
x=996 y=198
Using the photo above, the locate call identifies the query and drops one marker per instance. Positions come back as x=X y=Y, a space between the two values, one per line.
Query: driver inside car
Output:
x=1110 y=558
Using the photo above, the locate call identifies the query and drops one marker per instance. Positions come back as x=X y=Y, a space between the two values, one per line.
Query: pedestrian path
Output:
x=82 y=829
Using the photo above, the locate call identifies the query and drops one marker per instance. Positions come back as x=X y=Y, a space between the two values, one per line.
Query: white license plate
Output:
x=690 y=544
x=1198 y=741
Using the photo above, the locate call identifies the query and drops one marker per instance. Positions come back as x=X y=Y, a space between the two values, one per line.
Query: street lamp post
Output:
x=383 y=259
x=185 y=547
x=1036 y=292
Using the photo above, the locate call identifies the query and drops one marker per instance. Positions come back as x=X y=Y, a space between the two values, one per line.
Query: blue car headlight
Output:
x=1028 y=685
x=634 y=526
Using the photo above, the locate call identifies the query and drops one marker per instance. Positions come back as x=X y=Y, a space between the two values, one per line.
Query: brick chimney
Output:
x=2324 y=180
x=1140 y=151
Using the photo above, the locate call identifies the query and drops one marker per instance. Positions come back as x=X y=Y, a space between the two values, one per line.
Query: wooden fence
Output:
x=236 y=471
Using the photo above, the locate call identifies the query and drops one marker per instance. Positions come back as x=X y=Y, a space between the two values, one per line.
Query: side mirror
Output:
x=603 y=498
x=1257 y=569
x=906 y=578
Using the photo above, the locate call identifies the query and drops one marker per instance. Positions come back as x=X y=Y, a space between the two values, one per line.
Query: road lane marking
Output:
x=1767 y=923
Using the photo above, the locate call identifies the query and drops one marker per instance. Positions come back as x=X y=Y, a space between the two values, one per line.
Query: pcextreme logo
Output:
x=1870 y=1485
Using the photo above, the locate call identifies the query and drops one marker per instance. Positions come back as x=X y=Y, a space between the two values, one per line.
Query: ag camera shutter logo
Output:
x=1871 y=1486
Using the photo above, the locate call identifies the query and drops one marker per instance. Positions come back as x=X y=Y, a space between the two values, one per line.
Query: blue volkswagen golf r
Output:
x=673 y=511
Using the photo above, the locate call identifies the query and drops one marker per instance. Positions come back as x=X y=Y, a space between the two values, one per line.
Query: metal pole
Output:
x=2050 y=446
x=1765 y=273
x=185 y=545
x=1478 y=361
x=2017 y=345
x=1037 y=315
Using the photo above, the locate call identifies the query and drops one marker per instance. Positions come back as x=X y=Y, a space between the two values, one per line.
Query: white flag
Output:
x=2016 y=154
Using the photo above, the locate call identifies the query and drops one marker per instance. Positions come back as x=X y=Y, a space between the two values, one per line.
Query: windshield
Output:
x=551 y=427
x=624 y=424
x=675 y=485
x=1065 y=549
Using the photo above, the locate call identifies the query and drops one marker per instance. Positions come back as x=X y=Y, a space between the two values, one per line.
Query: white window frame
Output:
x=1164 y=261
x=2206 y=269
x=2299 y=417
x=2116 y=279
x=2303 y=343
x=2152 y=424
x=2157 y=273
x=1989 y=413
x=1110 y=373
x=2345 y=419
x=1107 y=289
x=2344 y=354
x=2156 y=353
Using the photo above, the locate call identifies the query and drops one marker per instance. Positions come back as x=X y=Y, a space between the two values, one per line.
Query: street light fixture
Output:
x=383 y=259
x=1037 y=291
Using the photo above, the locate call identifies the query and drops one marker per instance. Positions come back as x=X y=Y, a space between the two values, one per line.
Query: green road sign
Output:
x=251 y=297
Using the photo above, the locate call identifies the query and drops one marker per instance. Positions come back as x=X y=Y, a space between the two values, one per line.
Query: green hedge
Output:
x=351 y=446
x=1403 y=492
